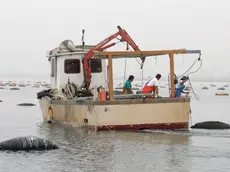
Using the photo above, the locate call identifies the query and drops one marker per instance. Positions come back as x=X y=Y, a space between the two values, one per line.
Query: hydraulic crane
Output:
x=102 y=46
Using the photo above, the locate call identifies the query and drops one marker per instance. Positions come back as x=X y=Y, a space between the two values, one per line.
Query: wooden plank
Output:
x=110 y=64
x=134 y=54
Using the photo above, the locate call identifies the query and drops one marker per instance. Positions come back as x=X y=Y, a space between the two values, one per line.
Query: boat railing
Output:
x=116 y=97
x=132 y=96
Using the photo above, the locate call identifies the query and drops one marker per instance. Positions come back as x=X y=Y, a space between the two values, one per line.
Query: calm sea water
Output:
x=195 y=150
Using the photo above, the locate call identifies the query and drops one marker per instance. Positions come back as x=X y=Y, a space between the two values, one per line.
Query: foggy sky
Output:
x=30 y=28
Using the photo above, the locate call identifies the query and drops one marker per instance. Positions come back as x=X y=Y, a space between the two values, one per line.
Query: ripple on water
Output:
x=81 y=150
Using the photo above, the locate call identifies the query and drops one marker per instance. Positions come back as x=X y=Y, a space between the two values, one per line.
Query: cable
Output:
x=190 y=116
x=198 y=68
x=169 y=84
x=189 y=67
x=142 y=77
x=196 y=95
x=125 y=71
x=93 y=109
x=142 y=70
x=130 y=50
x=198 y=59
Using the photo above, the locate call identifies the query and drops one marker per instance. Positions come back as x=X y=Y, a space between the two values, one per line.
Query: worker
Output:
x=180 y=87
x=127 y=89
x=152 y=86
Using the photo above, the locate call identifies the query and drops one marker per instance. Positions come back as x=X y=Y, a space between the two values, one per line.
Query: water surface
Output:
x=80 y=150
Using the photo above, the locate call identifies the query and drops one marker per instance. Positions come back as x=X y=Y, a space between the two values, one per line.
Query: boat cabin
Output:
x=66 y=65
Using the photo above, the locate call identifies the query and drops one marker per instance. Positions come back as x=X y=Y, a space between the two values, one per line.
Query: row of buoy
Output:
x=23 y=104
x=12 y=88
x=206 y=88
x=222 y=94
x=213 y=85
x=16 y=88
x=219 y=93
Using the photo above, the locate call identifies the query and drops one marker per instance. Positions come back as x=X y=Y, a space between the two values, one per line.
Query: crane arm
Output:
x=102 y=46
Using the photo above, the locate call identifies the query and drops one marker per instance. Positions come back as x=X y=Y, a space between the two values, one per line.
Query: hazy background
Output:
x=30 y=28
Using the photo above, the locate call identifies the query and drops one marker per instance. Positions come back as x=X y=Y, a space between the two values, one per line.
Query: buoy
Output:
x=211 y=125
x=50 y=114
x=27 y=143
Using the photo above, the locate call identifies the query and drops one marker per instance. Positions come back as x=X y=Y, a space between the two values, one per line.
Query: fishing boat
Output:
x=12 y=84
x=22 y=85
x=2 y=84
x=82 y=94
x=222 y=94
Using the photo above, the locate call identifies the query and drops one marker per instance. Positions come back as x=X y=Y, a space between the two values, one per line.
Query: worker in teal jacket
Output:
x=180 y=86
x=127 y=88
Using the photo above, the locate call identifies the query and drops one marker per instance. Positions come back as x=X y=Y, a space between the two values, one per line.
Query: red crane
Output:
x=102 y=46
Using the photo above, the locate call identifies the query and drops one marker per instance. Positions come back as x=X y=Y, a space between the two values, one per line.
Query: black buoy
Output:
x=211 y=125
x=26 y=104
x=27 y=143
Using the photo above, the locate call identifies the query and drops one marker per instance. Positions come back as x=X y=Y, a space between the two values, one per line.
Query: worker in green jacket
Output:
x=127 y=89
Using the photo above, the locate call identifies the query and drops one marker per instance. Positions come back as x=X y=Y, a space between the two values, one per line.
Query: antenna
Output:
x=82 y=39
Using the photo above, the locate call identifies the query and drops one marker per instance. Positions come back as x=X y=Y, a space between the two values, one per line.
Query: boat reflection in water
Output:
x=118 y=151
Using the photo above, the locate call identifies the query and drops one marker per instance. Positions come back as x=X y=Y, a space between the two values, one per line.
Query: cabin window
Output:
x=72 y=66
x=96 y=66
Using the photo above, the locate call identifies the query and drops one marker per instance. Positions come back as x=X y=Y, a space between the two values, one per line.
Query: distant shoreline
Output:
x=47 y=78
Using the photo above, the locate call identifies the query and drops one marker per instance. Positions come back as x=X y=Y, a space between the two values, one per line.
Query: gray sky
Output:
x=30 y=28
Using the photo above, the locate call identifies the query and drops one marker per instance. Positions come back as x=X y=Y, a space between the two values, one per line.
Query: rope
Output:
x=142 y=70
x=189 y=67
x=169 y=85
x=198 y=59
x=190 y=116
x=130 y=50
x=196 y=95
x=192 y=90
x=137 y=61
x=125 y=71
x=198 y=68
x=90 y=105
x=182 y=58
x=142 y=77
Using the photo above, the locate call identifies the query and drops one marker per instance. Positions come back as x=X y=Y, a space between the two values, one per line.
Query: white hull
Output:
x=165 y=113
